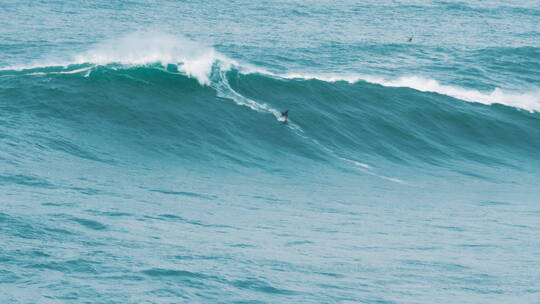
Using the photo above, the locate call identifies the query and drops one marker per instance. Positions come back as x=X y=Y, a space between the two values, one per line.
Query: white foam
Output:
x=224 y=90
x=360 y=164
x=87 y=69
x=529 y=101
x=142 y=48
x=350 y=78
x=368 y=170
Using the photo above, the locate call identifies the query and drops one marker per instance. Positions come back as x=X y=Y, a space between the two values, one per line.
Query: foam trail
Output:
x=76 y=71
x=367 y=169
x=363 y=167
x=63 y=72
x=220 y=83
x=224 y=90
x=529 y=101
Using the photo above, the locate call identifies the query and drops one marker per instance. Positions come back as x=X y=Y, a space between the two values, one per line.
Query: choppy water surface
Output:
x=143 y=158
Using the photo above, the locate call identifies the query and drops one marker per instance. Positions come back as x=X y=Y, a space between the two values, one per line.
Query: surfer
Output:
x=285 y=115
x=410 y=39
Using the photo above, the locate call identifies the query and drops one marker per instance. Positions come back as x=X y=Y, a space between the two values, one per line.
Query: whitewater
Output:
x=144 y=157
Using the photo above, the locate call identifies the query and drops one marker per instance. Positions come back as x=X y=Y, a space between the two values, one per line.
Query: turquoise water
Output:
x=143 y=158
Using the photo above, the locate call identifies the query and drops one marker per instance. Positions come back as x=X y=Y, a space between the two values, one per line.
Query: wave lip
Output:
x=529 y=101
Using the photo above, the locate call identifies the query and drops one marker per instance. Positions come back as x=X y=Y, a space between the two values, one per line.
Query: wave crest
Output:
x=529 y=101
x=141 y=48
x=204 y=63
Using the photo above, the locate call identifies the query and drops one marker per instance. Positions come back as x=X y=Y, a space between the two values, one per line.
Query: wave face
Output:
x=219 y=114
x=144 y=157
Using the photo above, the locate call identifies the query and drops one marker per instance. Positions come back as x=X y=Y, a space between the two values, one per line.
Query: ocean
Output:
x=144 y=157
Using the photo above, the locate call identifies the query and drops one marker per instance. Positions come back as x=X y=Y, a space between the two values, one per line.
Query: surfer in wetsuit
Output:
x=285 y=115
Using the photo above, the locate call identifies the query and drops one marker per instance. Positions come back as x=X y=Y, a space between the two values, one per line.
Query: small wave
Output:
x=161 y=272
x=186 y=193
x=261 y=286
x=91 y=224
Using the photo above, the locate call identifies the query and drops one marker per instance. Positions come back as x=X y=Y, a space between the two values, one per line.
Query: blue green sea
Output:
x=144 y=157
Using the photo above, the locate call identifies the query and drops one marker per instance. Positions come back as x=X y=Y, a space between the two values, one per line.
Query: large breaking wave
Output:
x=164 y=97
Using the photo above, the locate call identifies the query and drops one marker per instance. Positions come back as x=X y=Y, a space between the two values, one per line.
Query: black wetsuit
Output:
x=285 y=114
